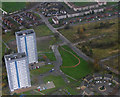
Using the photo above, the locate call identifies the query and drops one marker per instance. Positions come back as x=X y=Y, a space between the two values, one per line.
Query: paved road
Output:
x=102 y=19
x=110 y=57
x=107 y=67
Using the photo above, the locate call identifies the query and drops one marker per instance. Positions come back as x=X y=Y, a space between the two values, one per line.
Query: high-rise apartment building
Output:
x=17 y=71
x=26 y=42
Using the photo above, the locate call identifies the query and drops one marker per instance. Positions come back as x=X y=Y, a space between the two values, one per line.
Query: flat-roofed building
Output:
x=26 y=42
x=17 y=71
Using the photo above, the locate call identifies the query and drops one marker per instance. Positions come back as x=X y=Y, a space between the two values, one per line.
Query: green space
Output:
x=90 y=30
x=100 y=48
x=77 y=72
x=31 y=92
x=80 y=4
x=34 y=74
x=8 y=37
x=114 y=63
x=42 y=30
x=50 y=20
x=59 y=84
x=51 y=56
x=41 y=70
x=13 y=6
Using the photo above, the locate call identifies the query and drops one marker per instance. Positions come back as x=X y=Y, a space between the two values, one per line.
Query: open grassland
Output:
x=31 y=92
x=8 y=37
x=90 y=31
x=114 y=63
x=34 y=74
x=77 y=72
x=59 y=84
x=80 y=4
x=42 y=30
x=44 y=69
x=13 y=6
x=51 y=56
x=101 y=47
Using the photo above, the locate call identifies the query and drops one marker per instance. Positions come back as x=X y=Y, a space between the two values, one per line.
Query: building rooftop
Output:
x=25 y=32
x=15 y=56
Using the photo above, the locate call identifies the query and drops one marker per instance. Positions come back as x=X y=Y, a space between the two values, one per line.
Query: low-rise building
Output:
x=55 y=20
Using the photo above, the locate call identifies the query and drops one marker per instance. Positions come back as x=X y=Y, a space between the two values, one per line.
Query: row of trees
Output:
x=102 y=45
x=87 y=51
x=80 y=32
x=103 y=25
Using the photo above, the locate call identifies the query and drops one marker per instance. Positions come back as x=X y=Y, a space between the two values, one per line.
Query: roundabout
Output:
x=99 y=84
x=102 y=88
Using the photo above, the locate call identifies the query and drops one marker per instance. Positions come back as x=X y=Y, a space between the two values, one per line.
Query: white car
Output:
x=49 y=63
x=53 y=69
x=110 y=84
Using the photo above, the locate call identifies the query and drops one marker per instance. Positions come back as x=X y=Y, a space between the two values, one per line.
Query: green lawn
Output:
x=13 y=6
x=8 y=37
x=82 y=3
x=31 y=92
x=42 y=30
x=71 y=33
x=59 y=84
x=51 y=56
x=79 y=71
x=43 y=69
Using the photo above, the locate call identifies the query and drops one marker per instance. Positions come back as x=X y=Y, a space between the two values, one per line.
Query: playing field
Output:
x=77 y=72
x=13 y=6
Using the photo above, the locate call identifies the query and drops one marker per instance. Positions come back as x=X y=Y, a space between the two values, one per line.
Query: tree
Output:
x=56 y=35
x=67 y=26
x=84 y=49
x=78 y=31
x=96 y=65
x=44 y=57
x=90 y=52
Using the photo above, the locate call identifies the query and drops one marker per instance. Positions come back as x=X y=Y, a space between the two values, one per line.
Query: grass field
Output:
x=111 y=36
x=42 y=30
x=13 y=6
x=79 y=71
x=80 y=4
x=31 y=92
x=41 y=70
x=71 y=33
x=8 y=37
x=35 y=73
x=51 y=56
x=59 y=84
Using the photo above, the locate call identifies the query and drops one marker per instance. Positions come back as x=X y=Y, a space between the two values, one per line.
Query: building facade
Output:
x=17 y=71
x=26 y=42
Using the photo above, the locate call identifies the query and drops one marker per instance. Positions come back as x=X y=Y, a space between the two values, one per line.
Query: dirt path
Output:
x=74 y=56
